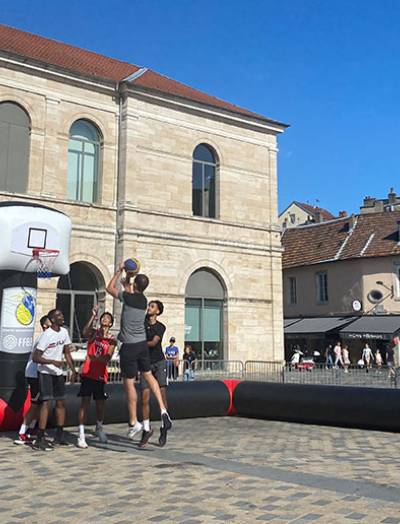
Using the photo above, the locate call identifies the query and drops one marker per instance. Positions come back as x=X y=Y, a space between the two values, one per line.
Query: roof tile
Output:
x=366 y=235
x=80 y=61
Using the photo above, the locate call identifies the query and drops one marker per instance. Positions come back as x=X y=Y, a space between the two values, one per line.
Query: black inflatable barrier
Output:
x=208 y=398
x=356 y=407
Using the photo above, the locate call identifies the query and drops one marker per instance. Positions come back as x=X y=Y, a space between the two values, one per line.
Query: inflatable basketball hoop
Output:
x=34 y=244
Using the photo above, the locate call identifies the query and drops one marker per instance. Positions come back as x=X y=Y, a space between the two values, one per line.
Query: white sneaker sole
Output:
x=132 y=434
x=82 y=445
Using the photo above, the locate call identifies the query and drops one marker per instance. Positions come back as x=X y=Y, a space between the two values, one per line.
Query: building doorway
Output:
x=77 y=293
x=204 y=315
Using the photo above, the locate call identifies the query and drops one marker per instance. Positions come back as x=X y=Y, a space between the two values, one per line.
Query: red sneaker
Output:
x=23 y=438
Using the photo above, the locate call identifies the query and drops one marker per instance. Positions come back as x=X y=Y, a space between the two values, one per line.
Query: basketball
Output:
x=132 y=266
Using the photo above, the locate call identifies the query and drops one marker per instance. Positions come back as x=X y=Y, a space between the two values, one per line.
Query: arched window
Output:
x=14 y=148
x=204 y=182
x=204 y=315
x=83 y=162
x=77 y=293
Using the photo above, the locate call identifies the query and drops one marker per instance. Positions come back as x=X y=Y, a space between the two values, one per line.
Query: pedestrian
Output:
x=172 y=357
x=346 y=358
x=367 y=356
x=328 y=357
x=338 y=355
x=53 y=344
x=378 y=359
x=189 y=363
x=94 y=375
x=389 y=356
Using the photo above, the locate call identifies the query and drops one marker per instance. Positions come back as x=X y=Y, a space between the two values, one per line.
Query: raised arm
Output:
x=113 y=287
x=88 y=330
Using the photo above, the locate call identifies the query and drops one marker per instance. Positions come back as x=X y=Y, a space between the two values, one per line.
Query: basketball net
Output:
x=44 y=260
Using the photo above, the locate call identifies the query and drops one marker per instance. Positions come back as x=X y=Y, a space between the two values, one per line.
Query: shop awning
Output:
x=372 y=327
x=289 y=321
x=317 y=326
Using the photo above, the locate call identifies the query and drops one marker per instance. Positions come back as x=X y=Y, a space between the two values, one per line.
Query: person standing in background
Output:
x=389 y=356
x=189 y=363
x=172 y=356
x=367 y=356
x=346 y=358
x=378 y=359
x=338 y=355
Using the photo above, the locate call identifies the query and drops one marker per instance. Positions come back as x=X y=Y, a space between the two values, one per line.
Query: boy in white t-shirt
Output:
x=31 y=376
x=52 y=345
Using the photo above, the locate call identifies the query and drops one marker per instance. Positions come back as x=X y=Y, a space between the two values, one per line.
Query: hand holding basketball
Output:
x=132 y=266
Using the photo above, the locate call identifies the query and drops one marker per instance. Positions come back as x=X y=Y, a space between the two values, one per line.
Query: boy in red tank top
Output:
x=94 y=375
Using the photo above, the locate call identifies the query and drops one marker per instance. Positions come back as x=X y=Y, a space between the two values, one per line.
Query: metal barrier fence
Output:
x=264 y=371
x=382 y=377
x=268 y=371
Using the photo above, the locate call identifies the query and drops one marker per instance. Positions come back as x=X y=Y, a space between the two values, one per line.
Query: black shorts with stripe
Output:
x=34 y=390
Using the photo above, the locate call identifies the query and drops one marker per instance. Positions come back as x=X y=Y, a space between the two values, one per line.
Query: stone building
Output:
x=342 y=279
x=147 y=167
x=299 y=214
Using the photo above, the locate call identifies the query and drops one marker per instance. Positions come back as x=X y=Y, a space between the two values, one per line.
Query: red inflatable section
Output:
x=9 y=419
x=231 y=385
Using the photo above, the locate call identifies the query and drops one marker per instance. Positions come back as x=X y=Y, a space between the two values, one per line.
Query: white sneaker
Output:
x=101 y=434
x=82 y=443
x=134 y=430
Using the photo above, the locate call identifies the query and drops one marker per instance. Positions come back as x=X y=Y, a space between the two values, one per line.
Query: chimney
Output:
x=317 y=216
x=392 y=197
x=369 y=201
x=342 y=214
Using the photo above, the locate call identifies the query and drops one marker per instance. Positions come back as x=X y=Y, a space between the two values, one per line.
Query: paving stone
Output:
x=356 y=516
x=245 y=471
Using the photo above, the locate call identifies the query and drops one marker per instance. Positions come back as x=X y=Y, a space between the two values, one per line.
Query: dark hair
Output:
x=109 y=314
x=51 y=313
x=43 y=320
x=141 y=282
x=159 y=304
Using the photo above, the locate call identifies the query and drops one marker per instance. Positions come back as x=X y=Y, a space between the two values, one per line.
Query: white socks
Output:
x=22 y=429
x=146 y=425
x=82 y=431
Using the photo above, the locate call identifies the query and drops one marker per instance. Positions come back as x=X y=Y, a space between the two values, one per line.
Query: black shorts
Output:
x=34 y=389
x=92 y=388
x=51 y=387
x=134 y=358
x=159 y=370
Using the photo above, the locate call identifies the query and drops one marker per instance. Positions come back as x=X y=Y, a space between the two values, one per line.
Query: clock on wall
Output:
x=356 y=305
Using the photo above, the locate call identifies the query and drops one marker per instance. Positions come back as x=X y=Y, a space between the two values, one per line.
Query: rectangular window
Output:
x=292 y=290
x=322 y=287
x=396 y=272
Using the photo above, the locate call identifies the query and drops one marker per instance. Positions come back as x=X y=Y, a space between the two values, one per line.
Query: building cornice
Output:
x=255 y=227
x=205 y=110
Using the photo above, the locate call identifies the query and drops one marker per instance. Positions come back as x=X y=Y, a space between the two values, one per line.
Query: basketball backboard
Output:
x=25 y=228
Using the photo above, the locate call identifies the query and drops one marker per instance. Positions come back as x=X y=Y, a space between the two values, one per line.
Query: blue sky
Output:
x=329 y=68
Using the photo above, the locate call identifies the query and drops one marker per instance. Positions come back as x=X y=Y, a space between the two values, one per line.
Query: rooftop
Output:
x=357 y=236
x=81 y=62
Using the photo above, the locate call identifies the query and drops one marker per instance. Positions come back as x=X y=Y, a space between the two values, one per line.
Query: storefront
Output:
x=376 y=330
x=312 y=334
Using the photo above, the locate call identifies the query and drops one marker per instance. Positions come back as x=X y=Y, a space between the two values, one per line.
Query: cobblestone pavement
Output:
x=212 y=471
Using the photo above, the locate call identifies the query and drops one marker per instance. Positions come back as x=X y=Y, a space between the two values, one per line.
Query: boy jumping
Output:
x=134 y=352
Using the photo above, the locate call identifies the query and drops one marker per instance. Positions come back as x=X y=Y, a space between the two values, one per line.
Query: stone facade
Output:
x=145 y=203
